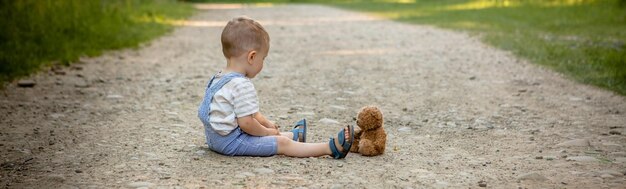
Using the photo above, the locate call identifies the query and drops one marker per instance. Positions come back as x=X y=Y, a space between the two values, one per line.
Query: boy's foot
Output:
x=299 y=131
x=340 y=146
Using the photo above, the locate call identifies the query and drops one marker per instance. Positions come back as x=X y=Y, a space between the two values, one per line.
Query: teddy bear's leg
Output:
x=357 y=138
x=367 y=148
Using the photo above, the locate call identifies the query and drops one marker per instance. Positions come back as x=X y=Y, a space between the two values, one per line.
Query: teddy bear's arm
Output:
x=374 y=147
x=355 y=144
x=369 y=148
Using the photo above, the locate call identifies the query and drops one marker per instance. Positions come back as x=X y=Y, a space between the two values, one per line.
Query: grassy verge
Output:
x=583 y=39
x=36 y=33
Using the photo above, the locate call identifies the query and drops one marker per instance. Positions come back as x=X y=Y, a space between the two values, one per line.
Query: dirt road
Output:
x=457 y=112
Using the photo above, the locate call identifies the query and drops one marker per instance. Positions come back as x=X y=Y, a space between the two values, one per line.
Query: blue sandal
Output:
x=342 y=140
x=297 y=131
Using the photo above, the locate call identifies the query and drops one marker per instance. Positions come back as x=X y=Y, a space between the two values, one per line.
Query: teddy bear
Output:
x=370 y=137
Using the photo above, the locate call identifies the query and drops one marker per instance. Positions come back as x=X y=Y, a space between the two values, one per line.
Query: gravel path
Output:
x=458 y=113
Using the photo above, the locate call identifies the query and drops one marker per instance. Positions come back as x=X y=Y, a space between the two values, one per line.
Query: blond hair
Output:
x=243 y=34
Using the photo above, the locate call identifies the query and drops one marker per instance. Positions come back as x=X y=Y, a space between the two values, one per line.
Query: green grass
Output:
x=583 y=39
x=37 y=33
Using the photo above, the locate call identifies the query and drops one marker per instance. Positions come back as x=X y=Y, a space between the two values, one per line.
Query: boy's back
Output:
x=236 y=98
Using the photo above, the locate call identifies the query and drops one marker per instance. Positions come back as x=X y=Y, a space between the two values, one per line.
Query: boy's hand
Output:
x=272 y=131
x=274 y=126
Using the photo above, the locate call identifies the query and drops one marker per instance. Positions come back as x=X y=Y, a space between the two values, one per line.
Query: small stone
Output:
x=244 y=175
x=282 y=117
x=26 y=83
x=76 y=67
x=606 y=176
x=615 y=133
x=472 y=78
x=240 y=176
x=81 y=84
x=200 y=152
x=482 y=183
x=574 y=143
x=78 y=171
x=612 y=145
x=522 y=90
x=139 y=184
x=337 y=107
x=610 y=172
x=114 y=96
x=532 y=177
x=291 y=179
x=328 y=121
x=441 y=184
x=57 y=115
x=404 y=129
x=582 y=159
x=306 y=113
x=539 y=157
x=59 y=72
x=550 y=158
x=278 y=182
x=575 y=99
x=264 y=171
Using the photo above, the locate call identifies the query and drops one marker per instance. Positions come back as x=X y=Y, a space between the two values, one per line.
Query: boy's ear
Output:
x=251 y=56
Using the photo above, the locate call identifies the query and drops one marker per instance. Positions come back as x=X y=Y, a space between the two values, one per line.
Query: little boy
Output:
x=230 y=110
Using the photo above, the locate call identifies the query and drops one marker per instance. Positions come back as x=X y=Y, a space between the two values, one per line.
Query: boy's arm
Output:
x=264 y=121
x=251 y=126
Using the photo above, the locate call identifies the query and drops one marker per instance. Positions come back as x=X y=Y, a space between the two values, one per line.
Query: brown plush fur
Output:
x=371 y=138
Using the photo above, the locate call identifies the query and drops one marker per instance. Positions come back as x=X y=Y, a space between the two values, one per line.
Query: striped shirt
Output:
x=236 y=99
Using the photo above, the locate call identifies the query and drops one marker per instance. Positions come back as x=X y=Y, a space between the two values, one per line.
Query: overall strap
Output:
x=212 y=88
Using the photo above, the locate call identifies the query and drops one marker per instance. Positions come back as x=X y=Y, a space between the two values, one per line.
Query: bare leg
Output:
x=290 y=134
x=288 y=147
x=287 y=134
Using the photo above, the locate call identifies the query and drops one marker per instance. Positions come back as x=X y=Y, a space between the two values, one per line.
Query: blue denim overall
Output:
x=237 y=142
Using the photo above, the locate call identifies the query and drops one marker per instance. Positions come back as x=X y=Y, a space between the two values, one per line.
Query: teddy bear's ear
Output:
x=379 y=114
x=374 y=112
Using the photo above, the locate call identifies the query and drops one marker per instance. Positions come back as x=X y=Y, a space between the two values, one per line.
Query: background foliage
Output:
x=35 y=33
